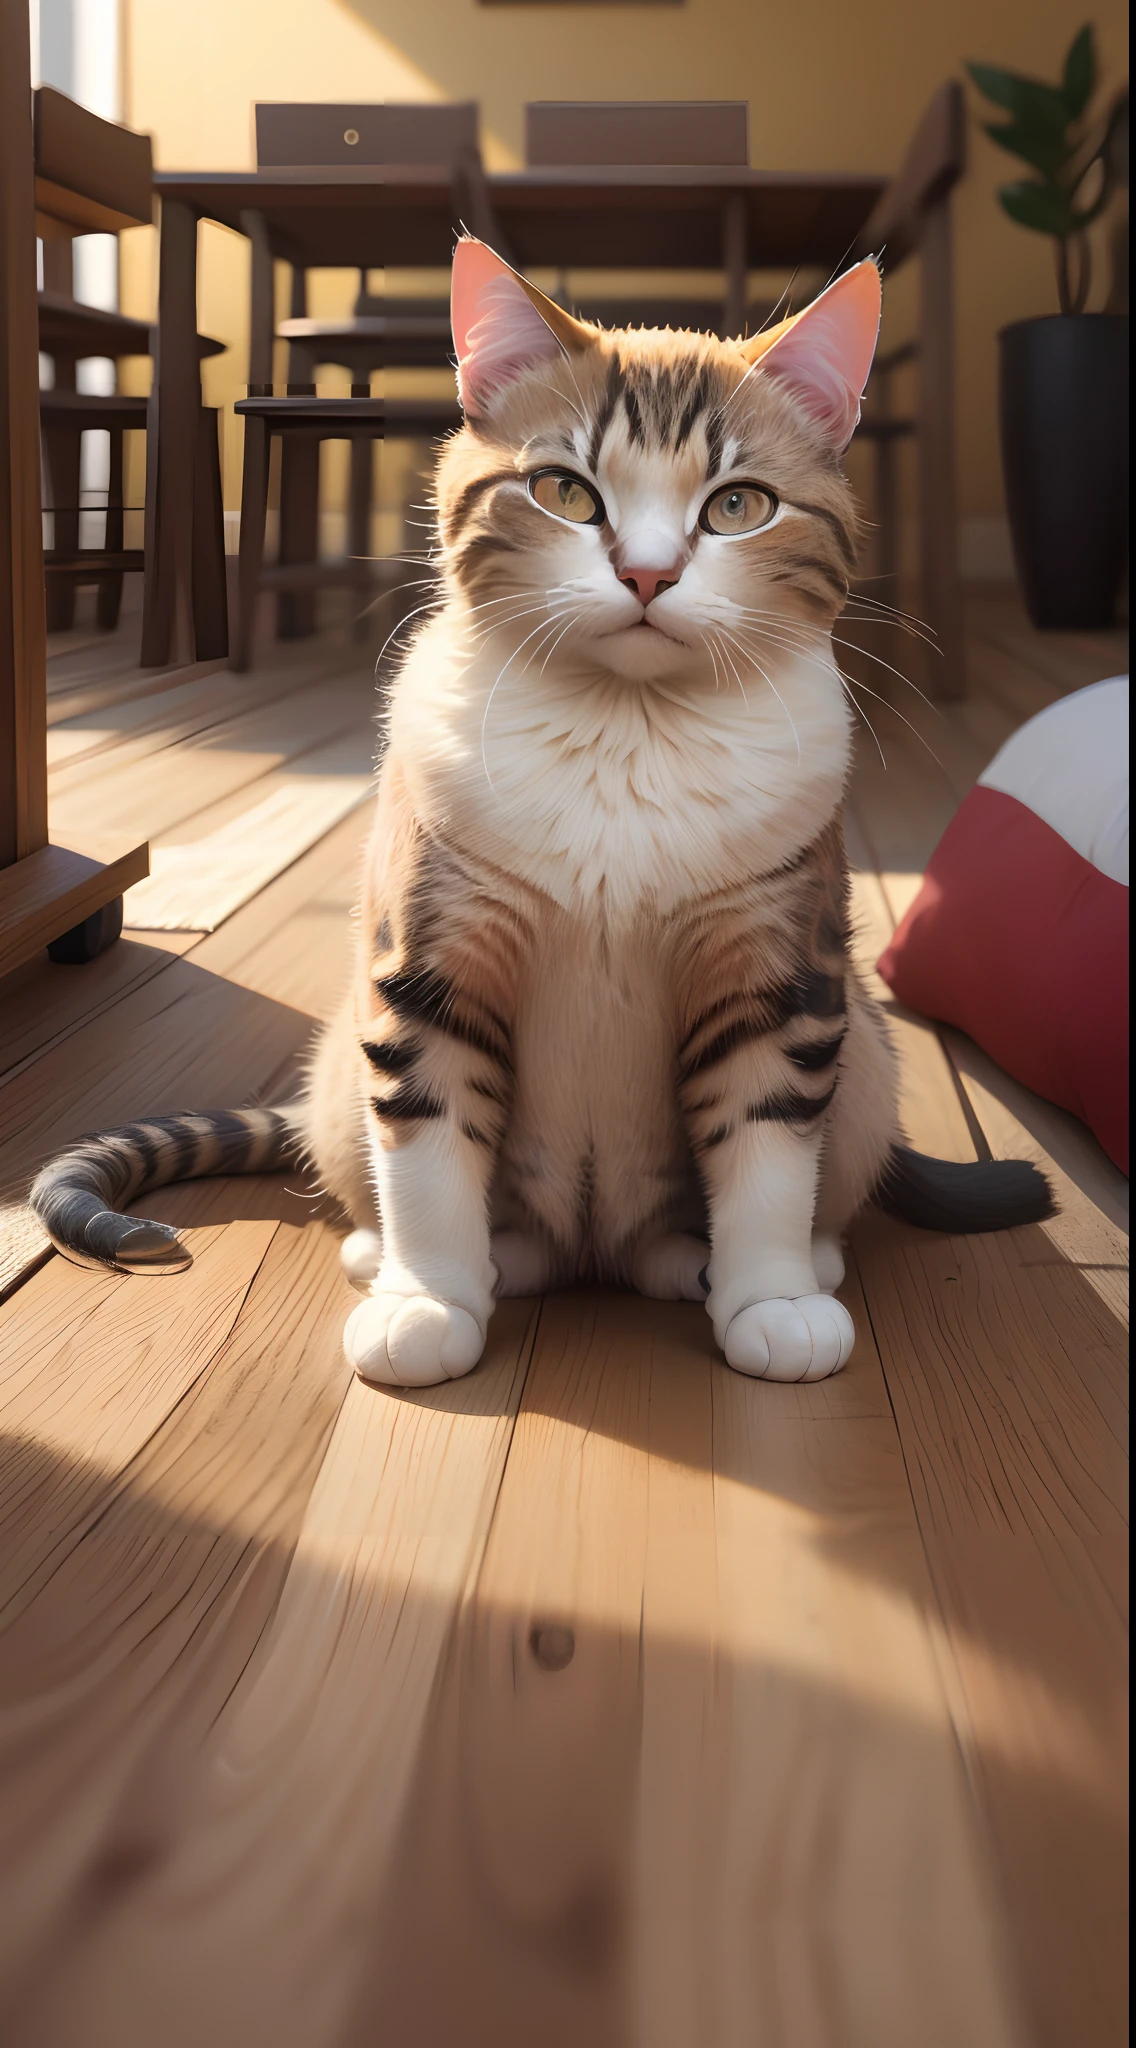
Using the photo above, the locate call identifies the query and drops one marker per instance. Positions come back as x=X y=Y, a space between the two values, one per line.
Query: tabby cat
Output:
x=604 y=1022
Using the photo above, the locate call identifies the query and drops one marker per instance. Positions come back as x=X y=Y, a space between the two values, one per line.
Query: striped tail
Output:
x=79 y=1196
x=963 y=1196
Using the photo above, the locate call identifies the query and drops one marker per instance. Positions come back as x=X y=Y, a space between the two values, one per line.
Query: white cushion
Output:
x=1069 y=765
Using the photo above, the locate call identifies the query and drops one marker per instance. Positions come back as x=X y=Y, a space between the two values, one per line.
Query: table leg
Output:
x=735 y=261
x=172 y=429
x=210 y=582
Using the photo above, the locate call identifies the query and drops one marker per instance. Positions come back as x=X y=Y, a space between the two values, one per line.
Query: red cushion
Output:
x=1021 y=942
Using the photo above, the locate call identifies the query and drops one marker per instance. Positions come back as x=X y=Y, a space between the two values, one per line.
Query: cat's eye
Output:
x=566 y=497
x=737 y=508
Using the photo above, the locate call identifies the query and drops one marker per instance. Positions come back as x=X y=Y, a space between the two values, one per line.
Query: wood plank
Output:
x=122 y=789
x=184 y=1039
x=92 y=1365
x=224 y=1936
x=40 y=1003
x=47 y=892
x=280 y=945
x=299 y=926
x=175 y=1581
x=230 y=1024
x=175 y=709
x=194 y=885
x=931 y=1114
x=1007 y=1380
x=1090 y=1229
x=697 y=1658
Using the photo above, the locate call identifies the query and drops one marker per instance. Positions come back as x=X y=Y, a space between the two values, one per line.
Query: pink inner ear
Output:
x=497 y=329
x=825 y=356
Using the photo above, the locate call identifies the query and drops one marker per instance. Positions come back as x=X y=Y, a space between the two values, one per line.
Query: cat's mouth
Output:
x=646 y=625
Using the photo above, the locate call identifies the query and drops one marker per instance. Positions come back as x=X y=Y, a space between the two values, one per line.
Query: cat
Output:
x=605 y=1024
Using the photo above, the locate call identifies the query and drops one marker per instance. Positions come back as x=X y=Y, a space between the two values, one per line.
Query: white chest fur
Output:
x=597 y=790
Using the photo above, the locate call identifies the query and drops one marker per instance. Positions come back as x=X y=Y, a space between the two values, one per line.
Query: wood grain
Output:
x=103 y=794
x=1009 y=1387
x=302 y=1785
x=176 y=1579
x=688 y=1598
x=218 y=1032
x=195 y=885
x=42 y=1003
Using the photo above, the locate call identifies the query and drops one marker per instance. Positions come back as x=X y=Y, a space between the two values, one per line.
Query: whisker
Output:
x=896 y=710
x=749 y=654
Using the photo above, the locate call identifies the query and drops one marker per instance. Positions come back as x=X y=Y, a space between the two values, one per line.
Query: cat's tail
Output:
x=79 y=1196
x=949 y=1195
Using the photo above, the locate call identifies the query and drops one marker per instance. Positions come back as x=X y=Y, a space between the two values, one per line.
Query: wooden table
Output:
x=569 y=217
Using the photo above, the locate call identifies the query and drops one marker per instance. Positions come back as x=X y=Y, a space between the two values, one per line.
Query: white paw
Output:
x=828 y=1263
x=671 y=1268
x=402 y=1340
x=361 y=1255
x=791 y=1340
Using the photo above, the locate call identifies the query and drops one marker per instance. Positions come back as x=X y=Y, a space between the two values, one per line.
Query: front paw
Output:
x=790 y=1340
x=400 y=1340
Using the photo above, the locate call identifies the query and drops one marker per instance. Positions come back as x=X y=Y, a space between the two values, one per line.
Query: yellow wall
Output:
x=831 y=83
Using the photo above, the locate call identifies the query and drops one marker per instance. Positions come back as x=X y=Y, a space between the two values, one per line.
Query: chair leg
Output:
x=299 y=530
x=62 y=448
x=109 y=601
x=210 y=588
x=359 y=515
x=254 y=512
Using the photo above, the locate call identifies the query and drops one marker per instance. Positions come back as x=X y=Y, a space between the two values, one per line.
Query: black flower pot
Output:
x=1064 y=418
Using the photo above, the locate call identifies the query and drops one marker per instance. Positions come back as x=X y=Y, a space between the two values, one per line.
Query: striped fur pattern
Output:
x=604 y=1022
x=75 y=1196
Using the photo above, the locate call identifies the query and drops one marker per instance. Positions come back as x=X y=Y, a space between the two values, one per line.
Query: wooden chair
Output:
x=70 y=332
x=913 y=218
x=93 y=176
x=708 y=132
x=302 y=420
x=65 y=897
x=381 y=332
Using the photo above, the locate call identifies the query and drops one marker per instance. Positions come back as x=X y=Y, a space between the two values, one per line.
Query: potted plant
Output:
x=1063 y=396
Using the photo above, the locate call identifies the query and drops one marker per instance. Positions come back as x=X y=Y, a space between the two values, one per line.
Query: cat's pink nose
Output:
x=647 y=583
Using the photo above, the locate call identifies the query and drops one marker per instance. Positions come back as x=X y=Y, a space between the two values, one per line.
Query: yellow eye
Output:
x=566 y=497
x=738 y=508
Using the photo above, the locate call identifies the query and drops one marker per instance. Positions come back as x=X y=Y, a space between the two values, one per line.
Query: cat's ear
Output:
x=824 y=354
x=503 y=325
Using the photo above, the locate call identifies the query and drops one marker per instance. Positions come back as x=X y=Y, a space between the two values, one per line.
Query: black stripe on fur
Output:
x=74 y=1195
x=790 y=1108
x=955 y=1196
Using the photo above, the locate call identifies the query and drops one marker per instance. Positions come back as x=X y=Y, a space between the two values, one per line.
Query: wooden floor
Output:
x=604 y=1696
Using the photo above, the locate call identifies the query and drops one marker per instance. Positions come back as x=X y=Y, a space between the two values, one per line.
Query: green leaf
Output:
x=1041 y=151
x=1080 y=74
x=1044 y=208
x=999 y=86
x=1033 y=105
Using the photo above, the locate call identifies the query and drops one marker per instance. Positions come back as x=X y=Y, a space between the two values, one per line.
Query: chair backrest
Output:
x=636 y=132
x=389 y=132
x=79 y=156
